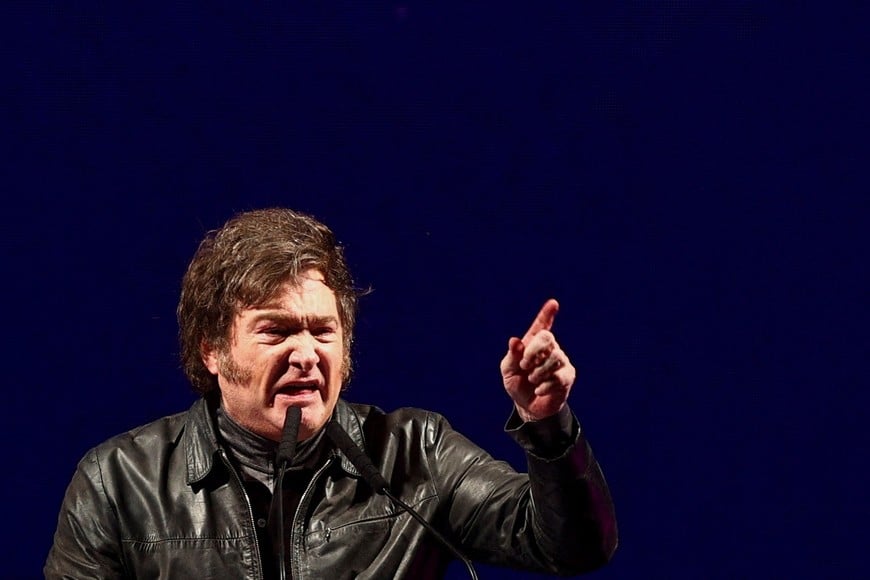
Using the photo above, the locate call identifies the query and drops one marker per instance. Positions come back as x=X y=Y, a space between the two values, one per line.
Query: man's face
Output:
x=287 y=352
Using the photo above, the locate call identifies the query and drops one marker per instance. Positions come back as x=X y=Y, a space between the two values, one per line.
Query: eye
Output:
x=273 y=331
x=323 y=331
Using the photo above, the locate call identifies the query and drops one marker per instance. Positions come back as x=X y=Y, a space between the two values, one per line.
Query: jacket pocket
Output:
x=201 y=558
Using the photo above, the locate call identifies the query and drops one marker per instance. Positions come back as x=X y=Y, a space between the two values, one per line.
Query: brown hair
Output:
x=243 y=264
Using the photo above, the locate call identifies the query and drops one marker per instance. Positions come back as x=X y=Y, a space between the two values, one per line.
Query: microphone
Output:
x=285 y=453
x=287 y=447
x=373 y=477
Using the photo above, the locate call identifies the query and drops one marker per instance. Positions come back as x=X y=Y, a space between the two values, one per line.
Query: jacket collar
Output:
x=345 y=415
x=199 y=439
x=200 y=443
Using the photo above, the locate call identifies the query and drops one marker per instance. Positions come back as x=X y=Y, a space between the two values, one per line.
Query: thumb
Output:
x=511 y=361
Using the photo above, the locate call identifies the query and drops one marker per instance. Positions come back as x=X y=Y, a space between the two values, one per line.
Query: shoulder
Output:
x=142 y=445
x=156 y=433
x=400 y=415
x=406 y=423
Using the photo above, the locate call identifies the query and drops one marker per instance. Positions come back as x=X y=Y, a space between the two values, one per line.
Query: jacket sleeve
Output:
x=86 y=541
x=558 y=518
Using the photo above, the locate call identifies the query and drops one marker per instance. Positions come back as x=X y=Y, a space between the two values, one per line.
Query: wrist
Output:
x=528 y=417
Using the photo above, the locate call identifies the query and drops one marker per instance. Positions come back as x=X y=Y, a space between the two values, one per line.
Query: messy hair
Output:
x=244 y=264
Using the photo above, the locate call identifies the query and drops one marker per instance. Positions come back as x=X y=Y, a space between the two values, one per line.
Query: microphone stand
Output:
x=286 y=451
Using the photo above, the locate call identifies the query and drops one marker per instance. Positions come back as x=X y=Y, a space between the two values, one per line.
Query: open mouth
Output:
x=298 y=390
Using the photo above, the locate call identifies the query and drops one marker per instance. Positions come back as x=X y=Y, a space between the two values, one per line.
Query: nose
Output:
x=303 y=355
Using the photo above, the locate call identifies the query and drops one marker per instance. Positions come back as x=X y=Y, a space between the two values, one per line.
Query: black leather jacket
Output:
x=162 y=501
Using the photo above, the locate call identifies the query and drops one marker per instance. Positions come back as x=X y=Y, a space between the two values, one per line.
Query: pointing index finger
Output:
x=544 y=319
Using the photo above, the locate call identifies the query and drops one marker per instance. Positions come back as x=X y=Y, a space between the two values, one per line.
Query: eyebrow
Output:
x=280 y=316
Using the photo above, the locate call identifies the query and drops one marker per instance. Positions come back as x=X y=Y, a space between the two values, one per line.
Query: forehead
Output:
x=303 y=294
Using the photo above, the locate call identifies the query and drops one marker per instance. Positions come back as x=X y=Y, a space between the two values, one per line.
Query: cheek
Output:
x=335 y=371
x=233 y=371
x=333 y=355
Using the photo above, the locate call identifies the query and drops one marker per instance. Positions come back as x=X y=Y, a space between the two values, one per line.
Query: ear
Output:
x=209 y=357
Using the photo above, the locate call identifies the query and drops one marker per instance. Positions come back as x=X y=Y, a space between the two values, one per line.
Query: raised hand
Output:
x=537 y=373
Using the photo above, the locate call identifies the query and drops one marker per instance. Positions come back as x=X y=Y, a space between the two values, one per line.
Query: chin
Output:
x=306 y=430
x=312 y=421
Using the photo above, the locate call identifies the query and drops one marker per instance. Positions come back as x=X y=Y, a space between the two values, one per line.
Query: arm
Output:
x=573 y=503
x=86 y=540
x=559 y=518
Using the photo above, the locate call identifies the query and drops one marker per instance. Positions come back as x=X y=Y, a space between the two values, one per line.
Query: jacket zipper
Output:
x=258 y=560
x=300 y=509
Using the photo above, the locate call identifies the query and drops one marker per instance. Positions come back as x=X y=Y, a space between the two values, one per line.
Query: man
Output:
x=266 y=319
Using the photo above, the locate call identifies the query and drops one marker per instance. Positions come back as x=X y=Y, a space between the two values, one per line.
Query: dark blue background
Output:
x=688 y=178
